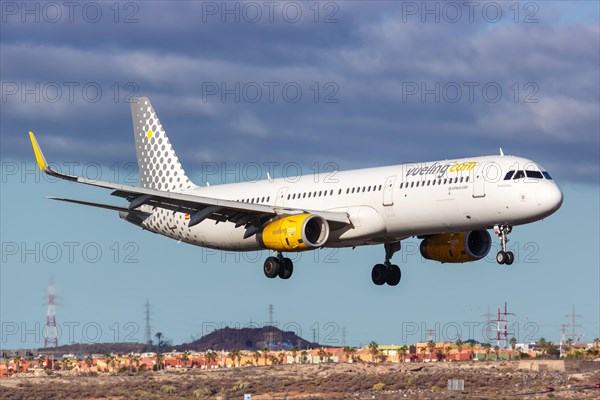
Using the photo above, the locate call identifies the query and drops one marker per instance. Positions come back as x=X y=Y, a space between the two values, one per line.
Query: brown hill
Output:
x=248 y=339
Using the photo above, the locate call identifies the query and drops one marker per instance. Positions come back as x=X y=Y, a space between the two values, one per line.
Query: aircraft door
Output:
x=280 y=199
x=388 y=191
x=478 y=177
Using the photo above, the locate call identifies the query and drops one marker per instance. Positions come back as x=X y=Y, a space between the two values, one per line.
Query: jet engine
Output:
x=457 y=247
x=295 y=233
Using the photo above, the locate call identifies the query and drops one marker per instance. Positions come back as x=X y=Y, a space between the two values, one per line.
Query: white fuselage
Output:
x=385 y=204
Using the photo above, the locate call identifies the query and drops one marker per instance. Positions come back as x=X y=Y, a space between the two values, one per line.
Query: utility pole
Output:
x=573 y=324
x=148 y=331
x=488 y=324
x=270 y=326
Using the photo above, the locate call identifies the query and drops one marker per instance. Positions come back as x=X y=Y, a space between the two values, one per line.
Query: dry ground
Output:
x=483 y=380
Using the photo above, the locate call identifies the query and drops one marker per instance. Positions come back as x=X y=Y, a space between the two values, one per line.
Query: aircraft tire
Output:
x=271 y=267
x=510 y=258
x=501 y=257
x=286 y=269
x=393 y=275
x=379 y=274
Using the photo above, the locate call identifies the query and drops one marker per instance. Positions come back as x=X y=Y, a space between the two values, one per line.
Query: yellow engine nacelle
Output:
x=457 y=247
x=295 y=233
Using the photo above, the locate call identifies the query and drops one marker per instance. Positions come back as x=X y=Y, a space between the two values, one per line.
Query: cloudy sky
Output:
x=347 y=84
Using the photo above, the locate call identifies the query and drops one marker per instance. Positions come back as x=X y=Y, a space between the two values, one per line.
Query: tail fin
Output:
x=159 y=167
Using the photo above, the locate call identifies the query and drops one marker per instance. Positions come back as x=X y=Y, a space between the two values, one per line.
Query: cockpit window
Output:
x=534 y=174
x=508 y=175
x=519 y=175
x=546 y=175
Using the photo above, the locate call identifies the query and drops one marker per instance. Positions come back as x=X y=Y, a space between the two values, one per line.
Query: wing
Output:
x=251 y=216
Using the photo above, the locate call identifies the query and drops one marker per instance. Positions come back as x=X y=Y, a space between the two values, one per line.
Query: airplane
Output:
x=449 y=205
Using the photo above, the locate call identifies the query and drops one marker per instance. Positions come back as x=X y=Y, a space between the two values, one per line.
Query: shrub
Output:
x=241 y=385
x=202 y=392
x=379 y=386
x=168 y=389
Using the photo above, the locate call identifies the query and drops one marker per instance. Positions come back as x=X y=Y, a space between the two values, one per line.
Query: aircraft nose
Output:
x=553 y=198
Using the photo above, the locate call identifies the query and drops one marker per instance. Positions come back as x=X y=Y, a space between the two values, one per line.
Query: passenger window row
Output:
x=323 y=193
x=433 y=182
x=258 y=200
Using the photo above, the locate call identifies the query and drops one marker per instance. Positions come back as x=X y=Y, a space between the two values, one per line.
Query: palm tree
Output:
x=404 y=351
x=487 y=347
x=130 y=358
x=374 y=351
x=159 y=357
x=569 y=344
x=256 y=355
x=234 y=354
x=137 y=359
x=597 y=343
x=159 y=342
x=294 y=353
x=303 y=356
x=447 y=351
x=497 y=351
x=185 y=356
x=513 y=345
x=543 y=345
x=89 y=361
x=281 y=357
x=322 y=355
x=459 y=346
x=430 y=347
x=265 y=354
x=471 y=346
x=211 y=357
x=348 y=352
x=17 y=361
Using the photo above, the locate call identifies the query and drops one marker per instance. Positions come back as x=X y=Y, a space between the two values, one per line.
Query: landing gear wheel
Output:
x=271 y=267
x=393 y=275
x=501 y=257
x=510 y=257
x=378 y=275
x=286 y=269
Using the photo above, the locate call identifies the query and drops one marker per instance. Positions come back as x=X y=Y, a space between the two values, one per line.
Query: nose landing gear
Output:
x=387 y=272
x=503 y=256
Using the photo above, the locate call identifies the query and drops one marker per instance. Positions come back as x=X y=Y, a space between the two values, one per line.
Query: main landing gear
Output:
x=503 y=256
x=387 y=272
x=278 y=266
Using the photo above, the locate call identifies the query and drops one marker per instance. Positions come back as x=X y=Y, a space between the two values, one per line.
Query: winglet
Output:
x=39 y=156
x=501 y=152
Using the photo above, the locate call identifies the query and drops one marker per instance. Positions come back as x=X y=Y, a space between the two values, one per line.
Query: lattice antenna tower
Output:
x=502 y=326
x=573 y=324
x=50 y=330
